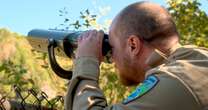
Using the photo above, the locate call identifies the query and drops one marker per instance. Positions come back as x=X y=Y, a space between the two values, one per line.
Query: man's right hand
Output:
x=90 y=44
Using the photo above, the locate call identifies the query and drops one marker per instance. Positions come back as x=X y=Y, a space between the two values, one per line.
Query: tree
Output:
x=191 y=21
x=24 y=68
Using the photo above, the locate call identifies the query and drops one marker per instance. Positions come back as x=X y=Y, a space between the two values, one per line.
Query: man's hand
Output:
x=90 y=44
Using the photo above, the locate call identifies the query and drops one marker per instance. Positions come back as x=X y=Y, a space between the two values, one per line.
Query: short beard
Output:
x=135 y=76
x=126 y=82
x=123 y=77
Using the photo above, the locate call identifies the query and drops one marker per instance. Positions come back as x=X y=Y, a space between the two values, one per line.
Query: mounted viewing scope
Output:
x=61 y=43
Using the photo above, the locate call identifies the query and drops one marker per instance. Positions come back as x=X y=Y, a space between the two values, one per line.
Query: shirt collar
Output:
x=158 y=57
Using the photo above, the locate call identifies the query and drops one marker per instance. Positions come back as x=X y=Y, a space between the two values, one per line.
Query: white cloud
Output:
x=104 y=10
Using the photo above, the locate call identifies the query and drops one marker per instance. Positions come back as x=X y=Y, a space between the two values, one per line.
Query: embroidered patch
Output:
x=146 y=86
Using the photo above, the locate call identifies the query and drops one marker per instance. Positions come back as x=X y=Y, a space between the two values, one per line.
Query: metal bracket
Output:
x=54 y=65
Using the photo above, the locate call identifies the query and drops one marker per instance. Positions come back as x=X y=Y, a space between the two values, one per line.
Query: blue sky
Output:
x=23 y=15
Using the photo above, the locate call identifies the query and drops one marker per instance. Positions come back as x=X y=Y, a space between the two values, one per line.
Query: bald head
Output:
x=149 y=21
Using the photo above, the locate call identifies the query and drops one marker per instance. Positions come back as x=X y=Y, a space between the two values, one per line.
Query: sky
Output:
x=23 y=15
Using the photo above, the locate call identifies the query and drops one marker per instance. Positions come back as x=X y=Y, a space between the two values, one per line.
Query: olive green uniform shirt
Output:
x=182 y=84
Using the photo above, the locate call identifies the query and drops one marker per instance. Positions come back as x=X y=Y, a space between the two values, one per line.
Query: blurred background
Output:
x=22 y=66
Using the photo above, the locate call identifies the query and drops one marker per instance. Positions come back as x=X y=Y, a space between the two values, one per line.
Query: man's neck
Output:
x=169 y=46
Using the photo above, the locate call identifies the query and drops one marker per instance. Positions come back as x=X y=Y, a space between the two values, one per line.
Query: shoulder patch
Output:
x=149 y=83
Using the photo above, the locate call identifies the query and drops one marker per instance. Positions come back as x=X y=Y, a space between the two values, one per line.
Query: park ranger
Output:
x=145 y=48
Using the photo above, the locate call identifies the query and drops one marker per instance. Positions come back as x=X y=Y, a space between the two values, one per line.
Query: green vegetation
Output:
x=192 y=22
x=21 y=65
x=27 y=69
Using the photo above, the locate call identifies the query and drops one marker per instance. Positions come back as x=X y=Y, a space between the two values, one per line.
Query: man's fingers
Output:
x=101 y=31
x=80 y=38
x=100 y=35
x=92 y=34
x=84 y=35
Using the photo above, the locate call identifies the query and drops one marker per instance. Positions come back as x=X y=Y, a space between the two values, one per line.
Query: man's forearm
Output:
x=83 y=92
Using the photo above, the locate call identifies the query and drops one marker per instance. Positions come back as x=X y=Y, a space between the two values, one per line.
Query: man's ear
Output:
x=134 y=44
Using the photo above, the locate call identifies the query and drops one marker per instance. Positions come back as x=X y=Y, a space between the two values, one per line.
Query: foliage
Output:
x=191 y=21
x=110 y=84
x=21 y=65
x=85 y=20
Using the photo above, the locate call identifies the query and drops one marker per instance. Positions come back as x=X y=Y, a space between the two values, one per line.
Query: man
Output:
x=145 y=48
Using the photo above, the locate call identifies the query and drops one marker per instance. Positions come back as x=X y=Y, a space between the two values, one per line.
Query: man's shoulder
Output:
x=186 y=59
x=166 y=93
x=187 y=52
x=188 y=65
